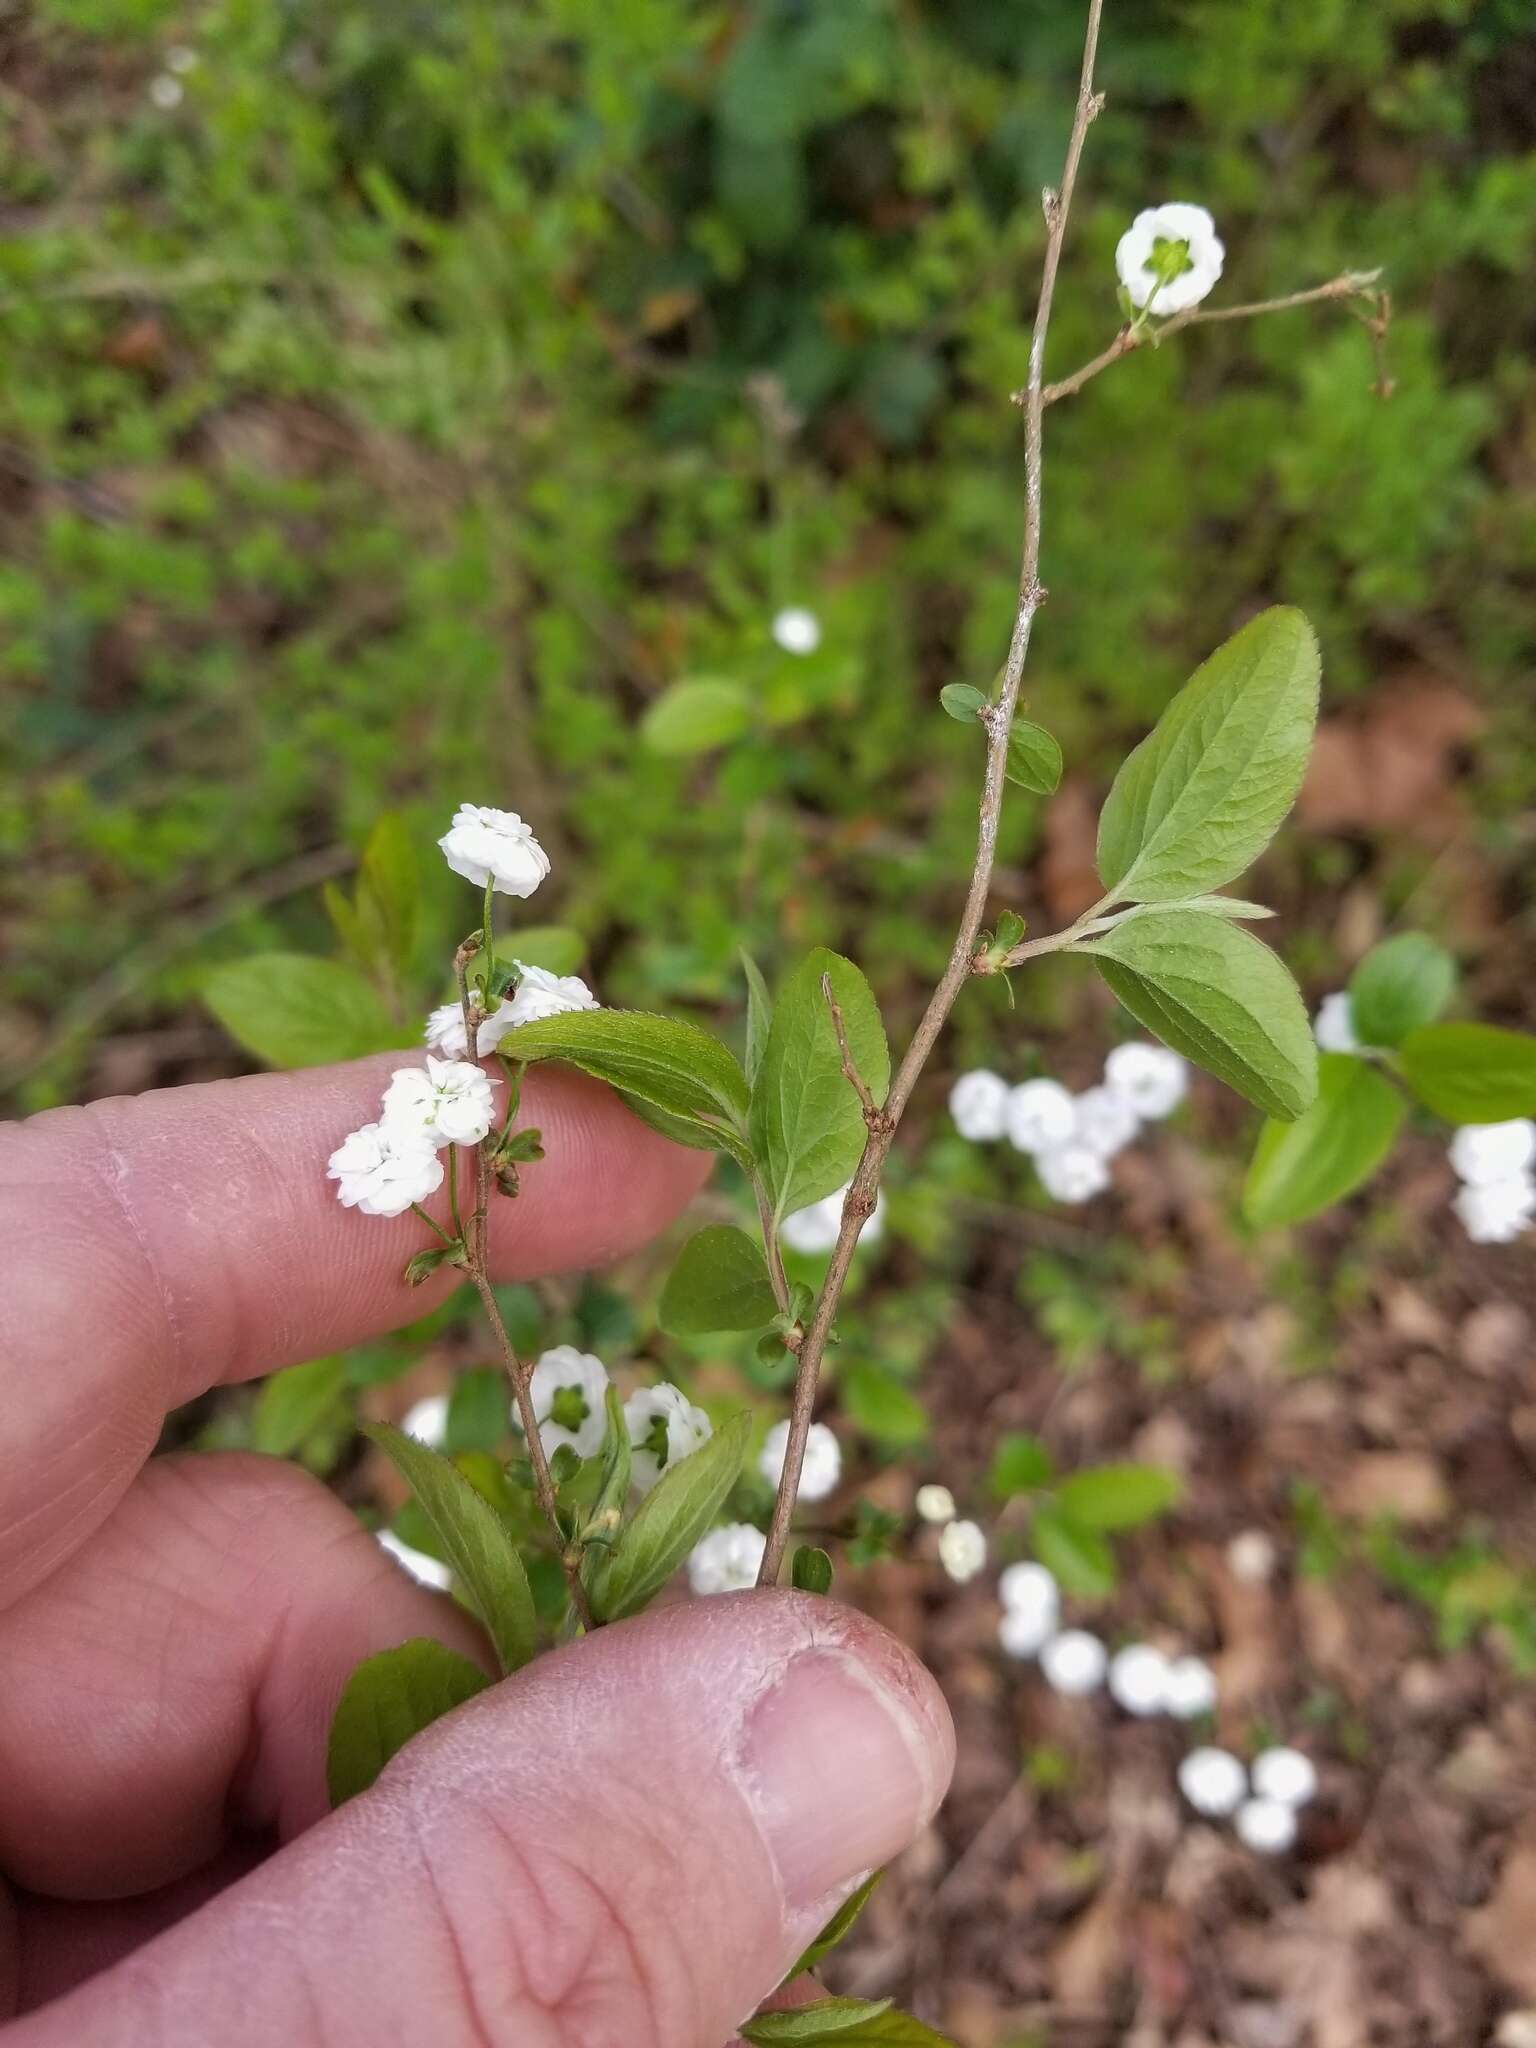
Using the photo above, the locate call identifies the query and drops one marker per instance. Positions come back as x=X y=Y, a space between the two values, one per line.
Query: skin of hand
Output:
x=624 y=1846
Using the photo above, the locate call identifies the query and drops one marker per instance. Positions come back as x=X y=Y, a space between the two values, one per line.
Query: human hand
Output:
x=624 y=1846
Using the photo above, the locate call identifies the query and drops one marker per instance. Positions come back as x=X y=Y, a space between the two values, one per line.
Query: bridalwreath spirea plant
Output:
x=624 y=1494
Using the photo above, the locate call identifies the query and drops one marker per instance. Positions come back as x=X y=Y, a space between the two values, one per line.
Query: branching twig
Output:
x=860 y=1199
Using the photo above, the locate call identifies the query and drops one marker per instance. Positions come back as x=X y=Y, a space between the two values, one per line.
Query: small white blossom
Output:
x=815 y=1230
x=1497 y=1212
x=1334 y=1025
x=540 y=994
x=1024 y=1634
x=1106 y=1121
x=445 y=1030
x=820 y=1469
x=427 y=1420
x=962 y=1550
x=1071 y=1173
x=486 y=845
x=165 y=92
x=1150 y=1077
x=1286 y=1776
x=797 y=630
x=1074 y=1663
x=426 y=1571
x=450 y=1102
x=1030 y=1589
x=179 y=58
x=1213 y=1781
x=1169 y=257
x=727 y=1560
x=567 y=1388
x=663 y=1426
x=1138 y=1679
x=1190 y=1688
x=1484 y=1153
x=1265 y=1826
x=935 y=1503
x=1251 y=1557
x=382 y=1169
x=978 y=1102
x=1041 y=1116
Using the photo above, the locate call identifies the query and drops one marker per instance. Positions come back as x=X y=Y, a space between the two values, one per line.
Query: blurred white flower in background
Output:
x=935 y=1503
x=797 y=630
x=1213 y=1781
x=486 y=845
x=1169 y=257
x=1497 y=1198
x=978 y=1102
x=814 y=1230
x=427 y=1420
x=1251 y=1557
x=1189 y=1689
x=1138 y=1679
x=1072 y=1173
x=180 y=58
x=1287 y=1776
x=663 y=1426
x=1041 y=1116
x=727 y=1560
x=962 y=1550
x=1153 y=1080
x=568 y=1388
x=1266 y=1826
x=426 y=1571
x=165 y=92
x=820 y=1469
x=1334 y=1025
x=1498 y=1213
x=1104 y=1120
x=382 y=1169
x=1074 y=1662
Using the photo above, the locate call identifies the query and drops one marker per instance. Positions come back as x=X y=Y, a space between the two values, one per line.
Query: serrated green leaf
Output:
x=720 y=1282
x=759 y=1015
x=695 y=715
x=1399 y=986
x=474 y=1540
x=837 y=1928
x=810 y=1570
x=1020 y=1464
x=293 y=1010
x=807 y=1129
x=294 y=1402
x=1471 y=1073
x=1213 y=992
x=1081 y=1559
x=1204 y=793
x=390 y=878
x=963 y=702
x=477 y=1411
x=1109 y=1497
x=676 y=1512
x=1300 y=1169
x=1034 y=758
x=388 y=1699
x=881 y=1406
x=676 y=1070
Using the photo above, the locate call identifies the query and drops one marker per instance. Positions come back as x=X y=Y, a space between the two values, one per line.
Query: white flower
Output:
x=1189 y=1689
x=1024 y=1634
x=542 y=994
x=1150 y=1077
x=727 y=1560
x=1497 y=1212
x=448 y=1103
x=1251 y=1557
x=1040 y=1116
x=382 y=1169
x=1106 y=1121
x=935 y=1503
x=486 y=845
x=797 y=630
x=1482 y=1153
x=165 y=91
x=1073 y=1663
x=1169 y=257
x=179 y=58
x=820 y=1469
x=1213 y=1781
x=1030 y=1589
x=1266 y=1826
x=814 y=1230
x=962 y=1550
x=445 y=1030
x=663 y=1426
x=978 y=1102
x=1138 y=1679
x=567 y=1388
x=427 y=1420
x=1071 y=1173
x=1286 y=1776
x=1334 y=1025
x=426 y=1571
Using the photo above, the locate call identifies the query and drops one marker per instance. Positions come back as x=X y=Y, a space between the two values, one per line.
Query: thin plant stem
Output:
x=432 y=1223
x=859 y=1202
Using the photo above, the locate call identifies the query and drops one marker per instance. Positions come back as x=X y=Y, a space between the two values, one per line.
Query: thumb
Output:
x=625 y=1846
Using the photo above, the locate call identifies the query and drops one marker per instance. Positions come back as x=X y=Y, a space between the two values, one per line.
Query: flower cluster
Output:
x=538 y=994
x=1261 y=1800
x=727 y=1560
x=1169 y=257
x=1072 y=1138
x=386 y=1167
x=569 y=1390
x=1493 y=1162
x=820 y=1469
x=1142 y=1679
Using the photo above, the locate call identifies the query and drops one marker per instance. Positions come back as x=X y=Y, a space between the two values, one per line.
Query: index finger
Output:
x=157 y=1245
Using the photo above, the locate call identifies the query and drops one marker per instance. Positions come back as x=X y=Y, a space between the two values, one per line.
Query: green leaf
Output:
x=720 y=1282
x=1020 y=1464
x=293 y=1010
x=1303 y=1168
x=806 y=1124
x=554 y=947
x=294 y=1402
x=846 y=2023
x=1471 y=1073
x=1213 y=992
x=1118 y=1496
x=675 y=1069
x=477 y=1411
x=1398 y=987
x=693 y=716
x=391 y=879
x=963 y=702
x=388 y=1699
x=810 y=1570
x=882 y=1407
x=1034 y=758
x=759 y=1015
x=1226 y=906
x=1204 y=793
x=1081 y=1558
x=837 y=1928
x=602 y=1523
x=676 y=1512
x=475 y=1541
